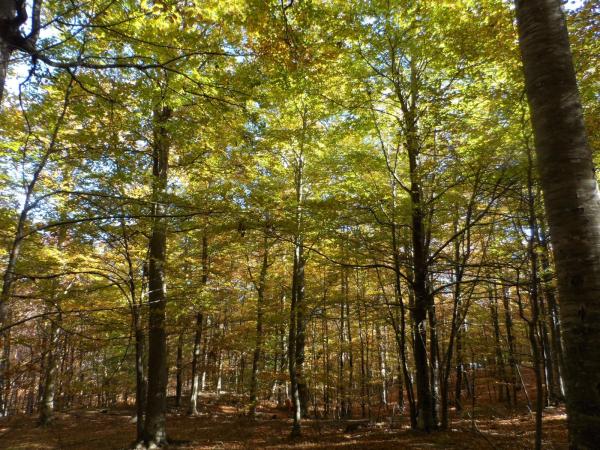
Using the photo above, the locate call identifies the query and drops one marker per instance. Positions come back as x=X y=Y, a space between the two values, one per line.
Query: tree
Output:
x=572 y=204
x=156 y=404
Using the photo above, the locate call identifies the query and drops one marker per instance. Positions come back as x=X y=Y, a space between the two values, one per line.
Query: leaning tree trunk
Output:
x=572 y=205
x=156 y=404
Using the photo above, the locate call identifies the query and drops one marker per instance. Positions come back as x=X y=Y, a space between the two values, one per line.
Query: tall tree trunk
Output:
x=156 y=404
x=572 y=205
x=419 y=312
x=296 y=340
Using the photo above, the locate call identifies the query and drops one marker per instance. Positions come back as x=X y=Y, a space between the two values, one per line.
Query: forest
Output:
x=299 y=224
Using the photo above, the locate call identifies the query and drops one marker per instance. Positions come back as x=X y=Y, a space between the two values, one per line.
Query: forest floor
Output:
x=222 y=425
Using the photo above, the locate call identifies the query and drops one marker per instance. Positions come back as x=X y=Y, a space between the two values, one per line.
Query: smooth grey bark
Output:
x=572 y=204
x=156 y=403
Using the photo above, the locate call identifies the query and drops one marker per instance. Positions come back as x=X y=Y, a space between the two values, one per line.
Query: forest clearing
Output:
x=299 y=224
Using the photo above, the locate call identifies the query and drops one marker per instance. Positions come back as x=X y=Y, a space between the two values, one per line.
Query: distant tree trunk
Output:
x=140 y=377
x=196 y=356
x=382 y=354
x=179 y=370
x=197 y=351
x=156 y=404
x=47 y=401
x=499 y=358
x=327 y=362
x=572 y=205
x=350 y=391
x=343 y=356
x=556 y=392
x=281 y=384
x=260 y=290
x=363 y=369
x=460 y=367
x=512 y=359
x=434 y=356
x=400 y=329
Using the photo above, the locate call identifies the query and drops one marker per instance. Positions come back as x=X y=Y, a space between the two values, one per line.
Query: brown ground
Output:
x=222 y=426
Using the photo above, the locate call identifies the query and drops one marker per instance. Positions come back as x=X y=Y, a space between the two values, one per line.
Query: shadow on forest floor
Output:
x=221 y=426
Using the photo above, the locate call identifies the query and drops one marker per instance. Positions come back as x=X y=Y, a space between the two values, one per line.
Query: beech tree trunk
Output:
x=572 y=205
x=156 y=404
x=297 y=319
